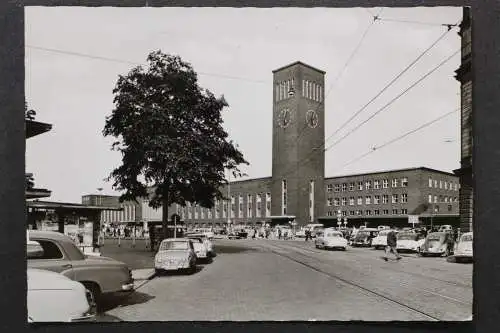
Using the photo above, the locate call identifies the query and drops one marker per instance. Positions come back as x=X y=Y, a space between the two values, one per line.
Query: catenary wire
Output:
x=375 y=149
x=132 y=62
x=416 y=22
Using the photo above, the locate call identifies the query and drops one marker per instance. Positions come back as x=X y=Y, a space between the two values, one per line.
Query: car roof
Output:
x=467 y=233
x=176 y=240
x=53 y=235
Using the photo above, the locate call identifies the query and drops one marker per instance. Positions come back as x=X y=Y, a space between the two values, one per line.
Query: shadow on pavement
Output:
x=178 y=273
x=456 y=260
x=236 y=248
x=110 y=302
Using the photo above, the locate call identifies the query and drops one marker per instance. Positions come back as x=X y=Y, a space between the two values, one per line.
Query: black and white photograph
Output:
x=248 y=164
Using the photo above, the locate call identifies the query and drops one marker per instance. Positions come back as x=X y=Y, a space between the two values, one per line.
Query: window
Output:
x=360 y=186
x=344 y=187
x=404 y=211
x=344 y=201
x=329 y=188
x=385 y=212
x=376 y=184
x=430 y=182
x=449 y=208
x=404 y=198
x=259 y=205
x=436 y=209
x=430 y=198
x=351 y=186
x=359 y=212
x=344 y=213
x=376 y=199
x=240 y=206
x=394 y=183
x=395 y=198
x=456 y=199
x=435 y=183
x=268 y=204
x=440 y=184
x=336 y=202
x=445 y=185
x=351 y=201
x=303 y=87
x=360 y=200
x=435 y=199
x=445 y=198
x=330 y=201
x=456 y=187
x=441 y=198
x=376 y=212
x=50 y=251
x=337 y=188
x=368 y=200
x=404 y=182
x=368 y=185
x=351 y=212
x=395 y=212
x=329 y=213
x=385 y=183
x=385 y=199
x=249 y=205
x=368 y=212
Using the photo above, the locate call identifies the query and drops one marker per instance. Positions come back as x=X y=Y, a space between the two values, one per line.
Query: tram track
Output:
x=275 y=249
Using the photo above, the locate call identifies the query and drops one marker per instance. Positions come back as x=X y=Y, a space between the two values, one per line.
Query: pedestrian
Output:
x=308 y=234
x=279 y=233
x=254 y=233
x=391 y=245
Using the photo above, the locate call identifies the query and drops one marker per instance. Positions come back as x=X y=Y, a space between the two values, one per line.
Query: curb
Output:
x=143 y=274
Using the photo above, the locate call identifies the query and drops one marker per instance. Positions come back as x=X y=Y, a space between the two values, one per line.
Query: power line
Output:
x=388 y=85
x=374 y=149
x=417 y=22
x=395 y=98
x=84 y=55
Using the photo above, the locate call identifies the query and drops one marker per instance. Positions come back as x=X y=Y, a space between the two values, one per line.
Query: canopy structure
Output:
x=34 y=128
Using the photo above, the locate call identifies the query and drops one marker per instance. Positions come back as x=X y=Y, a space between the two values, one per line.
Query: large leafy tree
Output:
x=169 y=132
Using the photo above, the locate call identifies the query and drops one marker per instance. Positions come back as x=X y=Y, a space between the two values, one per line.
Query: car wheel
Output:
x=159 y=272
x=192 y=269
x=95 y=295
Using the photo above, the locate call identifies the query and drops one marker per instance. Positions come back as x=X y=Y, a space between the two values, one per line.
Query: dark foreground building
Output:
x=298 y=190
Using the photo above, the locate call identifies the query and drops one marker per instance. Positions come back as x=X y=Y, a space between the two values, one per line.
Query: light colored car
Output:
x=364 y=237
x=200 y=249
x=408 y=241
x=175 y=254
x=56 y=252
x=52 y=297
x=445 y=228
x=330 y=239
x=380 y=241
x=437 y=244
x=208 y=243
x=463 y=249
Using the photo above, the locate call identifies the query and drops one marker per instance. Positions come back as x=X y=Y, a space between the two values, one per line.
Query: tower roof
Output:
x=299 y=63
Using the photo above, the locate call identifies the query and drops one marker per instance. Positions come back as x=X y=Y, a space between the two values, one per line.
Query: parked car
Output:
x=380 y=241
x=74 y=302
x=445 y=228
x=58 y=253
x=409 y=241
x=208 y=243
x=200 y=248
x=463 y=249
x=330 y=239
x=175 y=254
x=364 y=237
x=437 y=244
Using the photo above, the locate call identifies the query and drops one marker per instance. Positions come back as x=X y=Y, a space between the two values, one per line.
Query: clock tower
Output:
x=298 y=159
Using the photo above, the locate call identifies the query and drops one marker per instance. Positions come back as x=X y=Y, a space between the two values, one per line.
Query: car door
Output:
x=52 y=258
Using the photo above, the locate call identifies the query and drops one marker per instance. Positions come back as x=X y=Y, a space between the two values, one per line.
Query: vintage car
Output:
x=330 y=239
x=238 y=234
x=445 y=228
x=463 y=249
x=200 y=249
x=380 y=241
x=409 y=241
x=364 y=237
x=74 y=302
x=208 y=243
x=437 y=244
x=175 y=254
x=58 y=253
x=383 y=227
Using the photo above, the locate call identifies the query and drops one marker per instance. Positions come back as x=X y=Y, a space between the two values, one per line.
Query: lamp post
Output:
x=229 y=207
x=339 y=218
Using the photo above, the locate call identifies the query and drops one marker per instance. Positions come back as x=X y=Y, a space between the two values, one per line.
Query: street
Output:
x=292 y=280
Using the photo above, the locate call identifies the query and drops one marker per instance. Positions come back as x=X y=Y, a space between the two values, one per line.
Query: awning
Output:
x=70 y=206
x=34 y=128
x=291 y=217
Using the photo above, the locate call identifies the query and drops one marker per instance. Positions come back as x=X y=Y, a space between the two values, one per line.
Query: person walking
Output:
x=308 y=234
x=391 y=245
x=279 y=233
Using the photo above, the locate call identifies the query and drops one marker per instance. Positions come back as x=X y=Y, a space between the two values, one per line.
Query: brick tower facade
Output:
x=298 y=169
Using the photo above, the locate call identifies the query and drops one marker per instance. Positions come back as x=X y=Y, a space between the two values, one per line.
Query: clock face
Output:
x=284 y=118
x=312 y=118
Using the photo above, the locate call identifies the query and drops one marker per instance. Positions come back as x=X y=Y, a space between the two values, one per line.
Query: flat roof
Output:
x=299 y=63
x=394 y=170
x=67 y=205
x=34 y=193
x=249 y=180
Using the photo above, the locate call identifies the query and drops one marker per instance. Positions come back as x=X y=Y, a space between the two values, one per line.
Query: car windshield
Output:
x=407 y=236
x=333 y=234
x=434 y=237
x=174 y=245
x=467 y=238
x=383 y=233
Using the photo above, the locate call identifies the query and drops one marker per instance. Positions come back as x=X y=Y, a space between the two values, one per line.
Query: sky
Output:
x=74 y=56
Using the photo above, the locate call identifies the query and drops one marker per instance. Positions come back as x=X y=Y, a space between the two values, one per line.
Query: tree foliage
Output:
x=169 y=132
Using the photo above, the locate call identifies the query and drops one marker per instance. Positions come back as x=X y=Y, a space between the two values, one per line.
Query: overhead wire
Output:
x=398 y=138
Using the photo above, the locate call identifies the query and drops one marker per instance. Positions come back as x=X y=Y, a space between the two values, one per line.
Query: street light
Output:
x=339 y=218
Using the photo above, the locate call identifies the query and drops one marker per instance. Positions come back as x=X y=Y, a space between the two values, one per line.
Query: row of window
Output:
x=443 y=184
x=312 y=90
x=283 y=89
x=441 y=198
x=126 y=215
x=369 y=212
x=375 y=184
x=395 y=198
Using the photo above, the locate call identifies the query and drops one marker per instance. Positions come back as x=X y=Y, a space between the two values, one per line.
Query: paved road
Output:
x=291 y=280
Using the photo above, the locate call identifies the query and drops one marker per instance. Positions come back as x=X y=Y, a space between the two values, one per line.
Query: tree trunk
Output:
x=164 y=218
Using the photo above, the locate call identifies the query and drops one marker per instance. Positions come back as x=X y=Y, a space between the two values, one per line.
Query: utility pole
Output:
x=229 y=207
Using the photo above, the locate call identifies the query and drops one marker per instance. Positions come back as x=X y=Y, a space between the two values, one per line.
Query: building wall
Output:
x=130 y=212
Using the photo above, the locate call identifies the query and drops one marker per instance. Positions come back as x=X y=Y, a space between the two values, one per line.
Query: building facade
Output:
x=464 y=75
x=298 y=190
